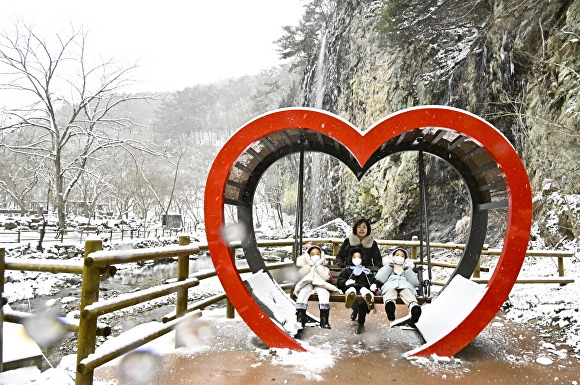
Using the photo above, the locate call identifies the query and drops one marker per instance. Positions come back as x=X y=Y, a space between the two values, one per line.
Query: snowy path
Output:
x=503 y=353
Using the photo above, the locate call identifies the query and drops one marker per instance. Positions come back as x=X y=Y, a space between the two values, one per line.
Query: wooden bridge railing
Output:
x=414 y=246
x=97 y=263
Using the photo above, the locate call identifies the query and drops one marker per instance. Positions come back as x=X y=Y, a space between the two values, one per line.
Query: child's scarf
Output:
x=357 y=270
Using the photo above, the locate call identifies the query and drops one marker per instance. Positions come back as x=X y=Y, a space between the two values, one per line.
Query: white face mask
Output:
x=315 y=258
x=398 y=260
x=356 y=261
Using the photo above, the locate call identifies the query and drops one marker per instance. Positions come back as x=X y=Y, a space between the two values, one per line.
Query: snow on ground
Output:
x=550 y=307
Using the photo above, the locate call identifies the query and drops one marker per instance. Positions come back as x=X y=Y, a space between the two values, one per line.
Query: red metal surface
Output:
x=362 y=146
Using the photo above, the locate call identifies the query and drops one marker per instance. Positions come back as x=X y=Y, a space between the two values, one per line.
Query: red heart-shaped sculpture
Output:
x=362 y=145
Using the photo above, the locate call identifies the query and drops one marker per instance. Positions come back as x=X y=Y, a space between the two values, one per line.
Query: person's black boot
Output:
x=415 y=313
x=324 y=314
x=353 y=315
x=362 y=314
x=301 y=316
x=390 y=307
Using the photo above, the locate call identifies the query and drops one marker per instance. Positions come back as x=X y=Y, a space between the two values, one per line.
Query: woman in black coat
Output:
x=361 y=238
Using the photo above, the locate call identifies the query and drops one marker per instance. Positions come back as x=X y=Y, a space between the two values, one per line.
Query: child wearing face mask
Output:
x=397 y=278
x=315 y=276
x=357 y=279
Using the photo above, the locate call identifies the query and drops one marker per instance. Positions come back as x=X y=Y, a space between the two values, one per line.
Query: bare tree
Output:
x=18 y=179
x=71 y=108
x=164 y=200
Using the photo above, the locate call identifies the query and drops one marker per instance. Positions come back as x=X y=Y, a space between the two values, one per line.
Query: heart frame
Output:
x=362 y=146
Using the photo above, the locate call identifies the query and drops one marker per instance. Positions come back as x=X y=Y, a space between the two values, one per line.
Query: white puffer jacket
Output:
x=316 y=274
x=390 y=280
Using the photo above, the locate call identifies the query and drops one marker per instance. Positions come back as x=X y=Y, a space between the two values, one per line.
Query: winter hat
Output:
x=322 y=255
x=400 y=248
x=398 y=269
x=309 y=249
x=353 y=250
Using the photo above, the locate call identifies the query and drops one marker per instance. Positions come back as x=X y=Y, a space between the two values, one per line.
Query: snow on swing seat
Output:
x=449 y=308
x=273 y=300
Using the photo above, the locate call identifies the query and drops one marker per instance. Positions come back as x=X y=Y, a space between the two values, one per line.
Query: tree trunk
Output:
x=59 y=190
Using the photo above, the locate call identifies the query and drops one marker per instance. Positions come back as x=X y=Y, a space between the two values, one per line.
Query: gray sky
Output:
x=175 y=43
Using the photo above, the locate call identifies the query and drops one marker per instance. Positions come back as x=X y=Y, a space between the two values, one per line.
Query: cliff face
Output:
x=516 y=64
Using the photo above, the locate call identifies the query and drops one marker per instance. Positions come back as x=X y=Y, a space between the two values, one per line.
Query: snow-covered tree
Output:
x=68 y=105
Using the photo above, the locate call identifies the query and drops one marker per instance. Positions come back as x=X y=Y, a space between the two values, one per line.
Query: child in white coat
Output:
x=315 y=276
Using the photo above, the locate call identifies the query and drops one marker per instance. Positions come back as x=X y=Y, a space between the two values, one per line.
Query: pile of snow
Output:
x=310 y=363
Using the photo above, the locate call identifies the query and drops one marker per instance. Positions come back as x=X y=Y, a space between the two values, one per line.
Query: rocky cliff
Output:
x=514 y=63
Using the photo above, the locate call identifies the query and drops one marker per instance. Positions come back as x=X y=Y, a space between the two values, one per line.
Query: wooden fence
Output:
x=98 y=263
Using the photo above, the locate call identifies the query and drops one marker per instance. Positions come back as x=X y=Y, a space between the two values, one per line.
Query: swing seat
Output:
x=337 y=297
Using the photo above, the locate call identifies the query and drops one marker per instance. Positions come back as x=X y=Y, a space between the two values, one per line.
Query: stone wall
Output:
x=516 y=64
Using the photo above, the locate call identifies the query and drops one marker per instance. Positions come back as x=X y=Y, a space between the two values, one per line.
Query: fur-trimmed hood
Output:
x=317 y=274
x=366 y=242
x=304 y=259
x=388 y=259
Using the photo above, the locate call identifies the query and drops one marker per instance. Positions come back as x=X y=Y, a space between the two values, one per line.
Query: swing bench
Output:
x=337 y=297
x=481 y=174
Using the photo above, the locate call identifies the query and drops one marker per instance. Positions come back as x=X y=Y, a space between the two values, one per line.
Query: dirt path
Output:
x=504 y=353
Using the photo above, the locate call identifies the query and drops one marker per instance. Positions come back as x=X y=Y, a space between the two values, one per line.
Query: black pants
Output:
x=361 y=307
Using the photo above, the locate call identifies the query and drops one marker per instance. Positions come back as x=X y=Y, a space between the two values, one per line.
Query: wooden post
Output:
x=182 y=274
x=561 y=268
x=335 y=246
x=477 y=270
x=230 y=310
x=87 y=337
x=293 y=250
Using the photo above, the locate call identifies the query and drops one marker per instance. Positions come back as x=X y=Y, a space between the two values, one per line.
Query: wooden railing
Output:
x=98 y=263
x=414 y=245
